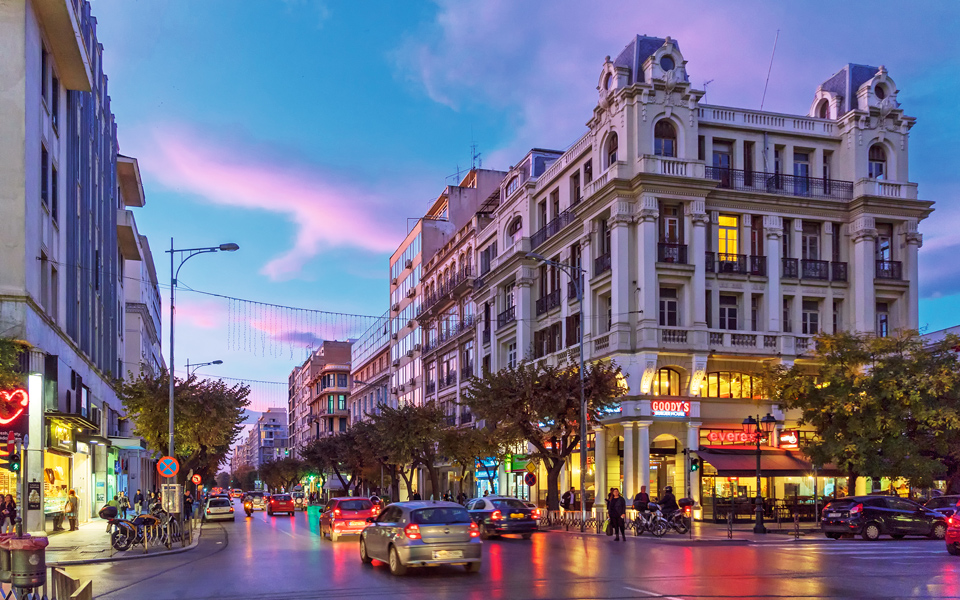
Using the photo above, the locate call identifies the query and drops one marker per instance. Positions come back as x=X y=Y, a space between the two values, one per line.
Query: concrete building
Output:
x=713 y=240
x=305 y=392
x=62 y=284
x=370 y=371
x=329 y=412
x=268 y=440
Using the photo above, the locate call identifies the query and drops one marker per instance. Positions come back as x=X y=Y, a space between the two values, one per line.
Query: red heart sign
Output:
x=12 y=405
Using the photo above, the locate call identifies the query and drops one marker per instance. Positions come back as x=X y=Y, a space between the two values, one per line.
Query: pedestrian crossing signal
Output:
x=695 y=464
x=11 y=462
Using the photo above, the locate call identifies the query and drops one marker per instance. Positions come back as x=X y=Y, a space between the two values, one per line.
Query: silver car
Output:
x=422 y=534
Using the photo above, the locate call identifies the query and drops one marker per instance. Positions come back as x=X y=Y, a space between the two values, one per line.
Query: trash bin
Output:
x=28 y=564
x=5 y=557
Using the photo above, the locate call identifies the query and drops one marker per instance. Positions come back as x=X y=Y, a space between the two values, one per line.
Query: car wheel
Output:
x=473 y=567
x=834 y=536
x=364 y=557
x=952 y=550
x=396 y=567
x=897 y=536
x=939 y=531
x=871 y=532
x=525 y=536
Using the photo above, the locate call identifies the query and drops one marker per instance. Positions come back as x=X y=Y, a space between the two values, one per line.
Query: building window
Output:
x=728 y=232
x=341 y=380
x=611 y=153
x=573 y=329
x=666 y=382
x=823 y=109
x=787 y=322
x=708 y=303
x=604 y=237
x=587 y=172
x=728 y=312
x=668 y=307
x=731 y=385
x=575 y=195
x=513 y=230
x=55 y=195
x=701 y=148
x=665 y=139
x=44 y=174
x=883 y=319
x=756 y=235
x=786 y=239
x=43 y=72
x=801 y=173
x=55 y=103
x=877 y=162
x=837 y=323
x=667 y=63
x=513 y=185
x=670 y=230
x=755 y=312
x=811 y=317
x=884 y=241
x=342 y=402
x=512 y=355
x=810 y=241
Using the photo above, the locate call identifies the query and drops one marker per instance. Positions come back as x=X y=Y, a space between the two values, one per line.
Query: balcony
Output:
x=838 y=271
x=758 y=265
x=445 y=381
x=450 y=333
x=784 y=185
x=720 y=262
x=548 y=302
x=551 y=229
x=601 y=343
x=672 y=253
x=889 y=269
x=664 y=165
x=601 y=264
x=466 y=418
x=571 y=290
x=486 y=334
x=506 y=317
x=887 y=189
x=791 y=268
x=447 y=288
x=431 y=387
x=466 y=372
x=673 y=336
x=814 y=269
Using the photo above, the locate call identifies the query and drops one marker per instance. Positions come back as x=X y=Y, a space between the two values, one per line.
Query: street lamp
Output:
x=756 y=427
x=196 y=366
x=576 y=276
x=184 y=255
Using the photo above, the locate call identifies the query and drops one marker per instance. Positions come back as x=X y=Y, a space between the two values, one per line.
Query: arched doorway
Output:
x=666 y=465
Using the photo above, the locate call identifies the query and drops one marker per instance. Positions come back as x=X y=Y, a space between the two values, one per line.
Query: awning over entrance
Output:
x=741 y=461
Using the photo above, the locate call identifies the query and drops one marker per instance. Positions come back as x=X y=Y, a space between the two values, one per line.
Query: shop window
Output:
x=666 y=382
x=725 y=384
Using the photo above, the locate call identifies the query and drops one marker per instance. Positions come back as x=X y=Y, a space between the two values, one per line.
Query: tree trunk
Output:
x=394 y=484
x=852 y=483
x=407 y=480
x=554 y=467
x=434 y=481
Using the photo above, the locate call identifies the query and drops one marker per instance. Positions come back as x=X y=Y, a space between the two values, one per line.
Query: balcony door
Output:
x=722 y=162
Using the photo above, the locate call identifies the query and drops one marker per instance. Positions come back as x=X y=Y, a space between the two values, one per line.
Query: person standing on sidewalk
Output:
x=116 y=504
x=187 y=505
x=8 y=515
x=616 y=509
x=71 y=507
x=124 y=504
x=138 y=502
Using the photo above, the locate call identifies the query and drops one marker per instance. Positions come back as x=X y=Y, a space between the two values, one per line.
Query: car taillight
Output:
x=231 y=509
x=496 y=516
x=949 y=520
x=536 y=513
x=856 y=509
x=412 y=531
x=376 y=510
x=336 y=512
x=474 y=530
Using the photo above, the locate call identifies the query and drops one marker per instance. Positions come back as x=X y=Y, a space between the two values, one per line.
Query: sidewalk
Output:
x=712 y=532
x=91 y=544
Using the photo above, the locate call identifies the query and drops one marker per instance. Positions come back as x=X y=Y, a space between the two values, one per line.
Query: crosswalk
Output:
x=861 y=550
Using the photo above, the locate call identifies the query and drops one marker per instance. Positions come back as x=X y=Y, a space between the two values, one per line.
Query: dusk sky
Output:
x=309 y=131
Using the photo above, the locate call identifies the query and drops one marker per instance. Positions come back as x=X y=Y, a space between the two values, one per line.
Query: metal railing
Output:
x=778 y=183
x=458 y=328
x=672 y=253
x=791 y=268
x=446 y=287
x=814 y=269
x=720 y=262
x=486 y=334
x=447 y=380
x=838 y=271
x=889 y=269
x=548 y=302
x=466 y=418
x=601 y=264
x=552 y=228
x=506 y=317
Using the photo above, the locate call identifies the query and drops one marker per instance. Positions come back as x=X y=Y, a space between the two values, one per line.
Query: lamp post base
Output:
x=758 y=527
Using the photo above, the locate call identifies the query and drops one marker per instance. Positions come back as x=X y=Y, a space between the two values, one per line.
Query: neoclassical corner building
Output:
x=713 y=240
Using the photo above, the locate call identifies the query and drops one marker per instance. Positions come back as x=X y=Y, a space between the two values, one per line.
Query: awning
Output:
x=128 y=443
x=333 y=483
x=774 y=462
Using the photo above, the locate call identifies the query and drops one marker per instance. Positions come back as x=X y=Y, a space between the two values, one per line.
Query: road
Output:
x=282 y=557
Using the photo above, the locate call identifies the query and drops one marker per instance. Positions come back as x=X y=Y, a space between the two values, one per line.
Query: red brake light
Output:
x=231 y=509
x=536 y=513
x=856 y=509
x=474 y=530
x=412 y=531
x=336 y=512
x=686 y=511
x=496 y=516
x=949 y=520
x=376 y=510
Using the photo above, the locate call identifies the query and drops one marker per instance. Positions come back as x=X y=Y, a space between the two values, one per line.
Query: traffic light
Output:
x=11 y=462
x=695 y=464
x=286 y=452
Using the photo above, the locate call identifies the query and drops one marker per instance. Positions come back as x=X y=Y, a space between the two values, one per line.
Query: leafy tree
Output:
x=487 y=446
x=244 y=477
x=880 y=407
x=10 y=351
x=207 y=418
x=343 y=454
x=374 y=446
x=283 y=473
x=223 y=479
x=541 y=404
x=410 y=437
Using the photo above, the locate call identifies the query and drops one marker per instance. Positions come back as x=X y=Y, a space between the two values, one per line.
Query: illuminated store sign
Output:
x=790 y=440
x=670 y=408
x=731 y=436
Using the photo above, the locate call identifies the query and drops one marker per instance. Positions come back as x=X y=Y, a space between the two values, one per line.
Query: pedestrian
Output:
x=124 y=504
x=116 y=504
x=566 y=501
x=138 y=502
x=8 y=514
x=641 y=500
x=616 y=509
x=70 y=508
x=461 y=497
x=187 y=505
x=416 y=495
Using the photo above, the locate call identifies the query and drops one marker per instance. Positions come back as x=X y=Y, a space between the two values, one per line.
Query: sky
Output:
x=309 y=131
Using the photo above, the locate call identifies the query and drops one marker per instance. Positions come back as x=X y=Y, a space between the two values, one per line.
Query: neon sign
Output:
x=670 y=408
x=732 y=436
x=790 y=440
x=12 y=405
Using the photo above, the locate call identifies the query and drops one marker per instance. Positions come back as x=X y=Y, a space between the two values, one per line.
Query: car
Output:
x=422 y=534
x=218 y=508
x=873 y=516
x=259 y=502
x=281 y=503
x=945 y=505
x=300 y=500
x=346 y=516
x=952 y=536
x=499 y=515
x=236 y=493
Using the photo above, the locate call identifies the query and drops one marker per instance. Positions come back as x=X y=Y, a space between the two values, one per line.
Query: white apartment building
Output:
x=370 y=371
x=712 y=239
x=268 y=439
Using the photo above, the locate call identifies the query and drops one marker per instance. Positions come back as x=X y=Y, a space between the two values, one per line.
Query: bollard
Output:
x=28 y=565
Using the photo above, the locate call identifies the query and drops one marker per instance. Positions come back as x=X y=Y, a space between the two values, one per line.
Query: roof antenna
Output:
x=765 y=83
x=705 y=84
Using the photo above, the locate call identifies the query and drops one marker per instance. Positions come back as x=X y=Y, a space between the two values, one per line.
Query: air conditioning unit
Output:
x=411 y=292
x=416 y=347
x=395 y=307
x=393 y=281
x=409 y=353
x=394 y=336
x=408 y=264
x=413 y=381
x=402 y=388
x=396 y=363
x=410 y=323
x=393 y=390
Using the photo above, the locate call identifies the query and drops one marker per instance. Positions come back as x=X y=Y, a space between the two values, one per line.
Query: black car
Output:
x=499 y=515
x=873 y=516
x=945 y=505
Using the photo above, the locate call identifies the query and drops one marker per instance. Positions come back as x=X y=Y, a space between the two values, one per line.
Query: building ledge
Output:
x=61 y=23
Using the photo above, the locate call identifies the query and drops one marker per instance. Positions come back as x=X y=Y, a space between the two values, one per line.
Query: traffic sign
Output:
x=168 y=466
x=196 y=479
x=531 y=468
x=530 y=479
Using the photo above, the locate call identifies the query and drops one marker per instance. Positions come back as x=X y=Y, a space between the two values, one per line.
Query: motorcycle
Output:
x=679 y=520
x=651 y=520
x=248 y=507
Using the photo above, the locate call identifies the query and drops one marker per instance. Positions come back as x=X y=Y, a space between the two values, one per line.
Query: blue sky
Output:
x=308 y=131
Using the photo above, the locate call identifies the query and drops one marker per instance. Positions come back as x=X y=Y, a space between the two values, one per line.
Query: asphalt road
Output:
x=283 y=557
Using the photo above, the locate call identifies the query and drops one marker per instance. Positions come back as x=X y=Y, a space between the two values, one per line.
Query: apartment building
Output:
x=712 y=240
x=329 y=408
x=268 y=439
x=370 y=374
x=308 y=396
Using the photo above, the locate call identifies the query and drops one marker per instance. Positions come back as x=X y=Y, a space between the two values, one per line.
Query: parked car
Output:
x=499 y=515
x=422 y=534
x=873 y=516
x=218 y=508
x=945 y=505
x=345 y=516
x=952 y=537
x=281 y=503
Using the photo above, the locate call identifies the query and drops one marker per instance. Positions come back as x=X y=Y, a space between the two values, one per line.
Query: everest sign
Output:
x=670 y=408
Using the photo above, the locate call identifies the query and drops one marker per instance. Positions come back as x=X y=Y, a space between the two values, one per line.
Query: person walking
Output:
x=566 y=501
x=138 y=502
x=416 y=496
x=70 y=508
x=124 y=504
x=616 y=509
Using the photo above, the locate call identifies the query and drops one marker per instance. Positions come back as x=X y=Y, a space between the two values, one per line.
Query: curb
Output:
x=684 y=539
x=91 y=561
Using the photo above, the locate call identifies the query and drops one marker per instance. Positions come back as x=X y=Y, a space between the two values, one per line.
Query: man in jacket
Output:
x=641 y=500
x=617 y=509
x=138 y=502
x=566 y=501
x=668 y=502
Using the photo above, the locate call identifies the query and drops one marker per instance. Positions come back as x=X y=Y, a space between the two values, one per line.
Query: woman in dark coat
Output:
x=617 y=510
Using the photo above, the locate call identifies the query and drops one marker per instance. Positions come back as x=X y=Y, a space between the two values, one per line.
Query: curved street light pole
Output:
x=196 y=366
x=184 y=254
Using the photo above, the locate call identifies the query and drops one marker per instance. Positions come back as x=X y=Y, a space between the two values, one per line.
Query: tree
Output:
x=244 y=477
x=207 y=418
x=486 y=446
x=342 y=454
x=10 y=375
x=283 y=473
x=411 y=436
x=541 y=404
x=374 y=446
x=880 y=407
x=223 y=479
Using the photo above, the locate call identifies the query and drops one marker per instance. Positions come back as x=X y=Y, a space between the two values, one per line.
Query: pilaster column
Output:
x=622 y=273
x=643 y=454
x=863 y=294
x=697 y=214
x=525 y=313
x=773 y=226
x=693 y=444
x=647 y=251
x=629 y=462
x=910 y=274
x=600 y=467
x=587 y=318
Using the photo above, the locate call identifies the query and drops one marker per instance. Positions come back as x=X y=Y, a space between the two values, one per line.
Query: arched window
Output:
x=513 y=230
x=877 y=162
x=665 y=139
x=880 y=92
x=606 y=81
x=724 y=384
x=666 y=382
x=513 y=185
x=823 y=111
x=612 y=144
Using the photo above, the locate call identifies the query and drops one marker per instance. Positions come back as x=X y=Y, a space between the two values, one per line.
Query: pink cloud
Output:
x=199 y=313
x=326 y=212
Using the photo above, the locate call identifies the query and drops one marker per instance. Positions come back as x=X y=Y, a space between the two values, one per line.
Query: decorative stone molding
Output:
x=864 y=227
x=648 y=361
x=699 y=371
x=648 y=208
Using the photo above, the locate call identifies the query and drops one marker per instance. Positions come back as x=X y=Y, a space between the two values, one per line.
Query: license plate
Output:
x=517 y=516
x=833 y=515
x=357 y=523
x=441 y=554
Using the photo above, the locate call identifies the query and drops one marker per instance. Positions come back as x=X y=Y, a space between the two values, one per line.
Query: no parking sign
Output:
x=530 y=479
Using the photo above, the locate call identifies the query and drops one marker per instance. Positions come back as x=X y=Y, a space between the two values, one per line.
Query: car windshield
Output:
x=219 y=502
x=440 y=516
x=281 y=497
x=355 y=505
x=509 y=504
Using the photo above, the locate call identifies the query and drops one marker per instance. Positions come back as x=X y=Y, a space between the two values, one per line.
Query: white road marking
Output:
x=651 y=594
